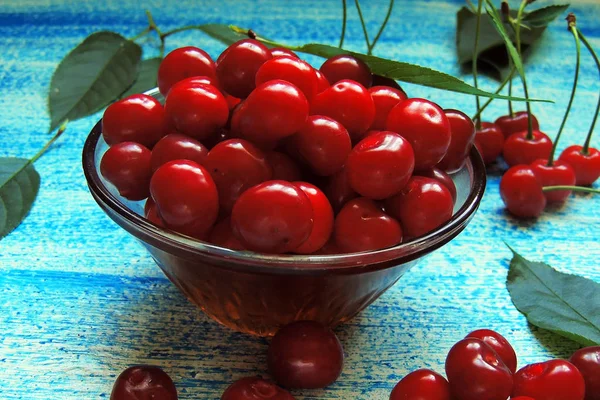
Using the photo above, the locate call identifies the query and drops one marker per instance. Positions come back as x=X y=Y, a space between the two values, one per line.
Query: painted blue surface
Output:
x=80 y=300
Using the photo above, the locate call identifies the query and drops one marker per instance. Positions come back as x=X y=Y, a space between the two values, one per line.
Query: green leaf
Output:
x=146 y=77
x=92 y=75
x=19 y=186
x=224 y=33
x=541 y=17
x=568 y=305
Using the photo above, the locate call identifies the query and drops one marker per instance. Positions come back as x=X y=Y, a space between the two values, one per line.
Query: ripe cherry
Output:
x=422 y=384
x=550 y=380
x=186 y=197
x=143 y=382
x=426 y=128
x=338 y=189
x=255 y=388
x=176 y=146
x=290 y=69
x=441 y=177
x=322 y=82
x=151 y=213
x=272 y=217
x=489 y=141
x=323 y=219
x=380 y=165
x=518 y=149
x=138 y=118
x=127 y=166
x=284 y=168
x=379 y=80
x=345 y=66
x=587 y=361
x=559 y=173
x=362 y=226
x=384 y=98
x=499 y=344
x=305 y=355
x=283 y=52
x=462 y=138
x=222 y=235
x=184 y=62
x=476 y=372
x=516 y=123
x=521 y=192
x=585 y=164
x=238 y=64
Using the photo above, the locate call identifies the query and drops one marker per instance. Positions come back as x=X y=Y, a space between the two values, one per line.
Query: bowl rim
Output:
x=169 y=240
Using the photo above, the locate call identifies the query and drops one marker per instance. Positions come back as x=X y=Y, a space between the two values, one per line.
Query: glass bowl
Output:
x=258 y=293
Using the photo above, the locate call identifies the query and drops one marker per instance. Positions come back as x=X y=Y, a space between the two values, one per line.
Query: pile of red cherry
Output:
x=260 y=151
x=483 y=366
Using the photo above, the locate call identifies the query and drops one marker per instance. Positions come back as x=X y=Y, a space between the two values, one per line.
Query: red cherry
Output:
x=550 y=380
x=520 y=150
x=323 y=143
x=323 y=219
x=462 y=138
x=232 y=101
x=521 y=192
x=560 y=173
x=138 y=118
x=236 y=165
x=143 y=382
x=284 y=168
x=476 y=372
x=499 y=344
x=272 y=217
x=221 y=135
x=426 y=128
x=362 y=226
x=517 y=123
x=255 y=388
x=305 y=355
x=422 y=384
x=380 y=165
x=196 y=109
x=201 y=80
x=222 y=235
x=384 y=98
x=283 y=52
x=322 y=82
x=290 y=69
x=338 y=189
x=379 y=80
x=328 y=249
x=238 y=64
x=587 y=361
x=186 y=197
x=349 y=103
x=176 y=146
x=151 y=213
x=489 y=141
x=586 y=166
x=274 y=110
x=127 y=166
x=522 y=398
x=345 y=66
x=182 y=63
x=441 y=177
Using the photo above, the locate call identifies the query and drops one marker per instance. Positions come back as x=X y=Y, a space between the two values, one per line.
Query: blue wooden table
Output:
x=81 y=300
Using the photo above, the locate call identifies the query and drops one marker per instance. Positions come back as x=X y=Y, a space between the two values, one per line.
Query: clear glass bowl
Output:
x=258 y=293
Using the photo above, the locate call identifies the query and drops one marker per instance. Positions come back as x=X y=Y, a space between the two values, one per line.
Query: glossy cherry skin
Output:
x=274 y=110
x=284 y=168
x=379 y=80
x=236 y=165
x=186 y=197
x=195 y=109
x=222 y=235
x=476 y=372
x=517 y=123
x=384 y=98
x=143 y=382
x=522 y=398
x=176 y=146
x=462 y=138
x=362 y=226
x=499 y=344
x=520 y=150
x=184 y=62
x=560 y=173
x=127 y=166
x=255 y=388
x=323 y=219
x=151 y=213
x=489 y=141
x=521 y=192
x=305 y=355
x=422 y=384
x=550 y=380
x=422 y=205
x=426 y=128
x=238 y=64
x=138 y=118
x=441 y=177
x=345 y=66
x=283 y=52
x=349 y=103
x=380 y=165
x=272 y=217
x=586 y=166
x=322 y=82
x=290 y=69
x=338 y=189
x=587 y=361
x=323 y=143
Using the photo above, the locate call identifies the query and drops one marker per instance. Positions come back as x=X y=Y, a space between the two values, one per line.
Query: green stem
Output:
x=141 y=34
x=153 y=27
x=471 y=6
x=508 y=79
x=525 y=91
x=381 y=29
x=364 y=25
x=49 y=143
x=573 y=188
x=344 y=17
x=510 y=107
x=588 y=139
x=474 y=60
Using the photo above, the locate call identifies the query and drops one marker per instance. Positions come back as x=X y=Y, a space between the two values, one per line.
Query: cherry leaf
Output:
x=19 y=186
x=146 y=77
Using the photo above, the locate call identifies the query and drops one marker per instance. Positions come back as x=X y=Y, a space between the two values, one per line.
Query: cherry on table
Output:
x=291 y=69
x=323 y=219
x=384 y=98
x=587 y=361
x=184 y=62
x=442 y=177
x=510 y=124
x=462 y=131
x=127 y=166
x=422 y=384
x=519 y=149
x=176 y=146
x=521 y=192
x=549 y=380
x=489 y=141
x=499 y=344
x=559 y=173
x=254 y=388
x=585 y=164
x=238 y=64
x=143 y=382
x=345 y=66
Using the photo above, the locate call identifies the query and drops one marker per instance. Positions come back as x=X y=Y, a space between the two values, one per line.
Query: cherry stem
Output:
x=573 y=188
x=588 y=139
x=505 y=8
x=471 y=6
x=525 y=91
x=49 y=143
x=489 y=101
x=474 y=61
x=381 y=29
x=364 y=25
x=344 y=18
